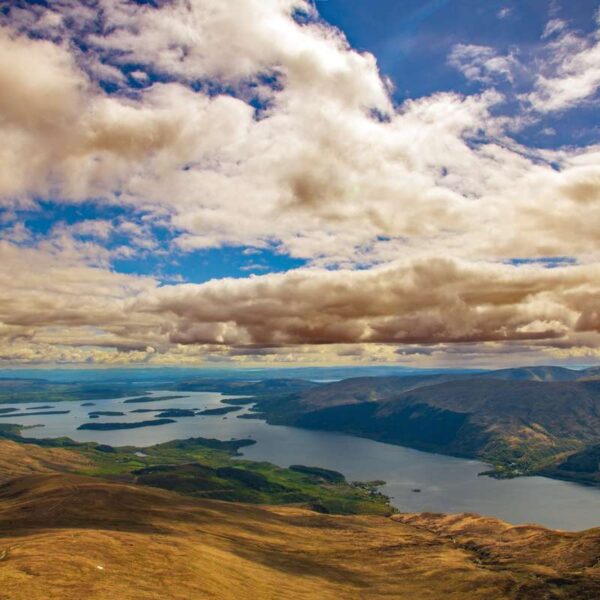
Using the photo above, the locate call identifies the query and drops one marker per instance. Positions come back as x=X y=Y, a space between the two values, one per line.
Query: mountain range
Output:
x=522 y=421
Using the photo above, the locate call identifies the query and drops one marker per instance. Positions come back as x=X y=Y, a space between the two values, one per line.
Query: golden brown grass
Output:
x=22 y=459
x=67 y=537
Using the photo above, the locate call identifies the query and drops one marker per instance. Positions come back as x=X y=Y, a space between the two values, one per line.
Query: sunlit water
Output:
x=447 y=484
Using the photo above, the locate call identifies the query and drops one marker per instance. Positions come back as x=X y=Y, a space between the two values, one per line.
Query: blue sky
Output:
x=412 y=40
x=163 y=258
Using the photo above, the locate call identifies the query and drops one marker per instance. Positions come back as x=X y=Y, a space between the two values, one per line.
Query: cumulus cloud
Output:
x=315 y=171
x=254 y=123
x=422 y=301
x=85 y=311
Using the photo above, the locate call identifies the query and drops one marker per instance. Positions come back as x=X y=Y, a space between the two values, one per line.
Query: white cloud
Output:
x=481 y=63
x=328 y=170
x=554 y=26
x=571 y=74
x=421 y=301
x=70 y=311
x=316 y=174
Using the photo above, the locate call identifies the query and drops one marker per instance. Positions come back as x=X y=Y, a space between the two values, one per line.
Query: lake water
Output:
x=447 y=484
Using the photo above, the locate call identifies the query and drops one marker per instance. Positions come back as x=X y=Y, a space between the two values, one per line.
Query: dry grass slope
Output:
x=23 y=459
x=67 y=537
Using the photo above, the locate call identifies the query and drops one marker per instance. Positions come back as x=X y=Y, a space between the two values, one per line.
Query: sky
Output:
x=259 y=183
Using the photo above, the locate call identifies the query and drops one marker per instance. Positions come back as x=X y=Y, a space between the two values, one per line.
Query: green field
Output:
x=207 y=468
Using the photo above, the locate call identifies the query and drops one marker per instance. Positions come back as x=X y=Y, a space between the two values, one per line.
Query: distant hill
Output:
x=592 y=373
x=39 y=390
x=536 y=374
x=357 y=390
x=266 y=386
x=368 y=389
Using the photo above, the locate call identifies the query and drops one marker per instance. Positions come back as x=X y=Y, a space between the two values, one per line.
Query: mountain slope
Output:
x=583 y=466
x=69 y=537
x=521 y=426
x=348 y=391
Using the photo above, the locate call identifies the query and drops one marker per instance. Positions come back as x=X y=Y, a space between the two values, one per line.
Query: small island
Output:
x=141 y=399
x=33 y=413
x=134 y=425
x=176 y=412
x=238 y=401
x=164 y=410
x=219 y=411
x=253 y=415
x=106 y=413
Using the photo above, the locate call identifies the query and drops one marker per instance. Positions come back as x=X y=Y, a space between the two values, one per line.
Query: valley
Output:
x=446 y=483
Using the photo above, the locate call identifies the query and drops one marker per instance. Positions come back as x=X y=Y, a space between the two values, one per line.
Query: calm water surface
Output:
x=447 y=484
